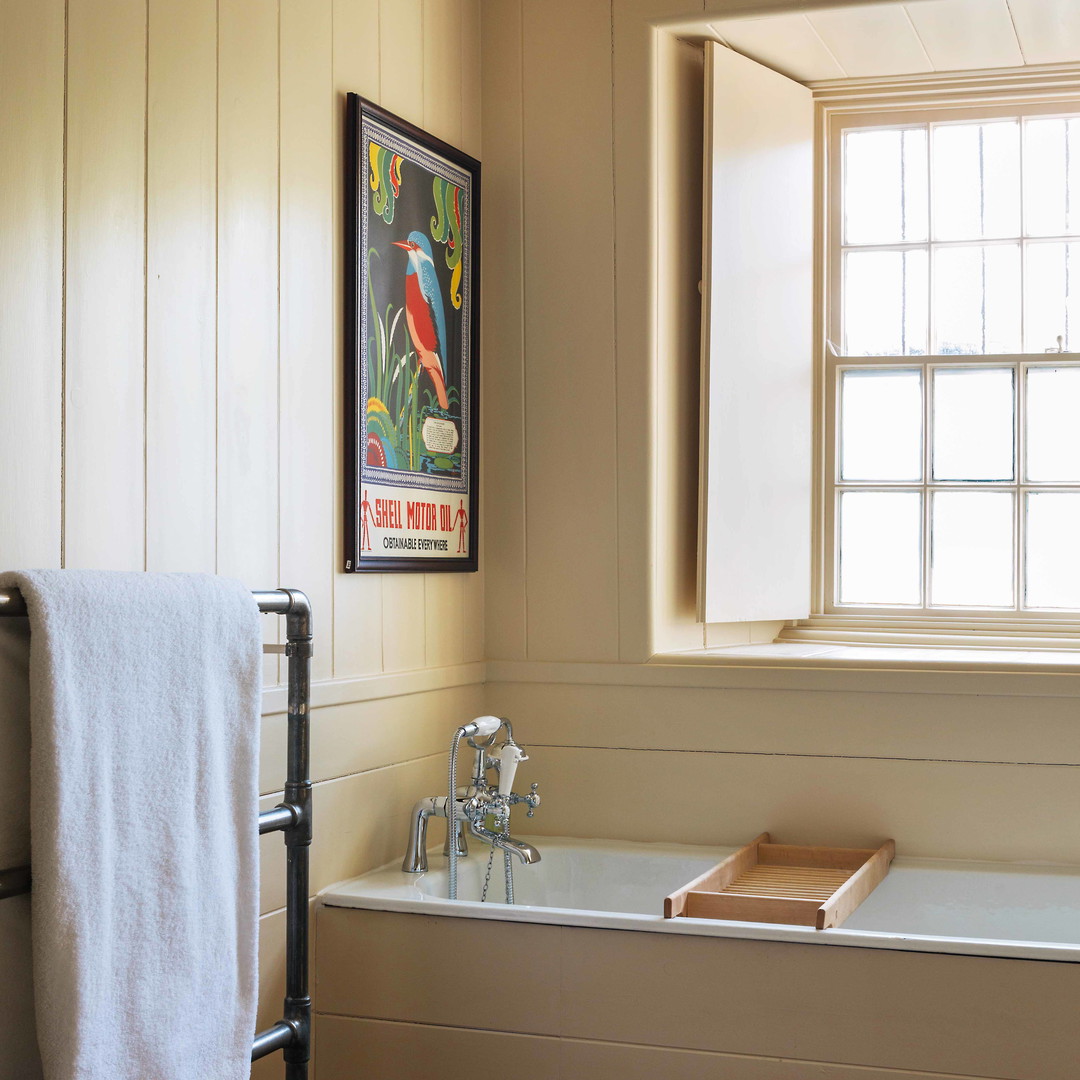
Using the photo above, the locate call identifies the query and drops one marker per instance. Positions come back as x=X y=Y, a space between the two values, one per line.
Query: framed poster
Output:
x=412 y=386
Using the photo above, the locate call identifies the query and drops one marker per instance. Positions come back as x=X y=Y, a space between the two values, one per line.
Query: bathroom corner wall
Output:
x=592 y=113
x=170 y=344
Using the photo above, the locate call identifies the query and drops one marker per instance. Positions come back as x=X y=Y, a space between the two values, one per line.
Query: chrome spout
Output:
x=415 y=861
x=518 y=848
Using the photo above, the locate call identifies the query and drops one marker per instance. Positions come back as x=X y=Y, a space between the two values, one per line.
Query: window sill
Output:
x=855 y=656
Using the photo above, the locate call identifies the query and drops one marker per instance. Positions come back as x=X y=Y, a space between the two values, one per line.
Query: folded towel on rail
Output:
x=144 y=703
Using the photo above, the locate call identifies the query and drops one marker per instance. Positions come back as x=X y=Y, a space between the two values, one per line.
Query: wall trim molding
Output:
x=711 y=671
x=372 y=687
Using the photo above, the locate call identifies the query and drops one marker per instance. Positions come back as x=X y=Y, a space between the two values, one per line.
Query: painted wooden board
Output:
x=31 y=267
x=181 y=361
x=309 y=363
x=572 y=462
x=757 y=356
x=872 y=40
x=247 y=403
x=786 y=43
x=104 y=448
x=963 y=34
x=502 y=365
x=1049 y=30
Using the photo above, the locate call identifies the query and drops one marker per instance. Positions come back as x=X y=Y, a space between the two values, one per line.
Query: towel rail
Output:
x=292 y=1034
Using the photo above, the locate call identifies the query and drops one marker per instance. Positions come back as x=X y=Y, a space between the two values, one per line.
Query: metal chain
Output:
x=502 y=825
x=487 y=877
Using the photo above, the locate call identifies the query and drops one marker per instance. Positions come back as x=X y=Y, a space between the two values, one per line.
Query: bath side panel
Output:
x=881 y=1009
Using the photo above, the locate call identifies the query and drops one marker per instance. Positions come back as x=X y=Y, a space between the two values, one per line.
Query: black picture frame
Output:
x=412 y=348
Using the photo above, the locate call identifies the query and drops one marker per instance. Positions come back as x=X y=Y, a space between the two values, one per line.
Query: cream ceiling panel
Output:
x=786 y=43
x=869 y=41
x=963 y=34
x=1049 y=30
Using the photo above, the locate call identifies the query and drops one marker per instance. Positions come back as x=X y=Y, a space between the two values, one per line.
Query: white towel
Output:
x=144 y=703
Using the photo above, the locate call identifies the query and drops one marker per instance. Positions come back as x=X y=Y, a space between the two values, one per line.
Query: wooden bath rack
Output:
x=783 y=883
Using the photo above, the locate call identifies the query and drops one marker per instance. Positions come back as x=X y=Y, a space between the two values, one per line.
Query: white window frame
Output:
x=895 y=102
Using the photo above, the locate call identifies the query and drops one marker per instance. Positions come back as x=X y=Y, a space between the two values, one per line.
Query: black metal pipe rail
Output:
x=292 y=817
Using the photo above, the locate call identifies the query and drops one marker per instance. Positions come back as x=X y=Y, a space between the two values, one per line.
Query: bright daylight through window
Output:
x=953 y=459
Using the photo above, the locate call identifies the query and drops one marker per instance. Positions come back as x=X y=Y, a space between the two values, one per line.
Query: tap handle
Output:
x=532 y=800
x=509 y=755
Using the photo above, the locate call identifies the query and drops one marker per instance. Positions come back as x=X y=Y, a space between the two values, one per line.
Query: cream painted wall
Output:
x=592 y=114
x=170 y=335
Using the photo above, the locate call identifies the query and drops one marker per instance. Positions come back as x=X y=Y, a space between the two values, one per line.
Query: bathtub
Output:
x=941 y=974
x=1019 y=911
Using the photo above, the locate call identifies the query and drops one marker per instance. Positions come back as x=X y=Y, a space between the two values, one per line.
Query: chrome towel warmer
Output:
x=291 y=1034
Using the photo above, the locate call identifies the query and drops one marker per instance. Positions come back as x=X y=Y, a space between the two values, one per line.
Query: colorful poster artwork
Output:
x=415 y=402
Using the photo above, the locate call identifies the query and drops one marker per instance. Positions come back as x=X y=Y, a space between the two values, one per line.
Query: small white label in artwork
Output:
x=440 y=436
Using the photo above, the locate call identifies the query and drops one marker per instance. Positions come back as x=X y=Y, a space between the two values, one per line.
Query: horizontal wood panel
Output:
x=916 y=1013
x=937 y=809
x=349 y=1046
x=888 y=723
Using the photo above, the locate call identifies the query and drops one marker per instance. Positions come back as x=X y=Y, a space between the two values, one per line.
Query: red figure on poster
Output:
x=463 y=518
x=365 y=513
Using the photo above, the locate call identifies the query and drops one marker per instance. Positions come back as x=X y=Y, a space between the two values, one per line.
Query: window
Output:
x=951 y=448
x=890 y=421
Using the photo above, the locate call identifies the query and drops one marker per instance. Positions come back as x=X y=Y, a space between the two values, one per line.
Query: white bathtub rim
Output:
x=368 y=892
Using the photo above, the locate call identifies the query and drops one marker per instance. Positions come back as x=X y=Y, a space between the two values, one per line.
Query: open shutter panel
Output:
x=757 y=354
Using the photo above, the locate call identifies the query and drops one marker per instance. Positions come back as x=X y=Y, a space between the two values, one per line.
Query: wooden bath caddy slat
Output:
x=784 y=883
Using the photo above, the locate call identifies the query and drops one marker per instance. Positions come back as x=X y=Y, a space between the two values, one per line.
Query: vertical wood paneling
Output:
x=181 y=202
x=471 y=31
x=31 y=267
x=203 y=256
x=247 y=482
x=404 y=630
x=502 y=347
x=104 y=517
x=401 y=58
x=401 y=90
x=307 y=450
x=633 y=127
x=443 y=593
x=358 y=605
x=473 y=584
x=571 y=452
x=441 y=62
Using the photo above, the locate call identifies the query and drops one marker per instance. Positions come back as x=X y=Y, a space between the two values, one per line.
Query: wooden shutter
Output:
x=757 y=350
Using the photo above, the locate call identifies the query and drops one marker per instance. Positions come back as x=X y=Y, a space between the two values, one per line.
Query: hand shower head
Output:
x=482 y=726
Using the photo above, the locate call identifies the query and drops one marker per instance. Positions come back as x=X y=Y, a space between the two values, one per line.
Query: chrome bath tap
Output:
x=476 y=801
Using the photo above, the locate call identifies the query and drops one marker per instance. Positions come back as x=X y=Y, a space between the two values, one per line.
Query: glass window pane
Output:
x=885 y=186
x=971 y=549
x=977 y=300
x=1053 y=434
x=1052 y=563
x=885 y=295
x=976 y=180
x=1052 y=176
x=881 y=425
x=1051 y=296
x=880 y=541
x=973 y=424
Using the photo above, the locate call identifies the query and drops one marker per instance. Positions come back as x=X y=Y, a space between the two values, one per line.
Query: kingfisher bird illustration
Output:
x=424 y=311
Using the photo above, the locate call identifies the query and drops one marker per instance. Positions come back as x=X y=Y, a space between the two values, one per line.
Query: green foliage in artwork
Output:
x=446 y=229
x=385 y=181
